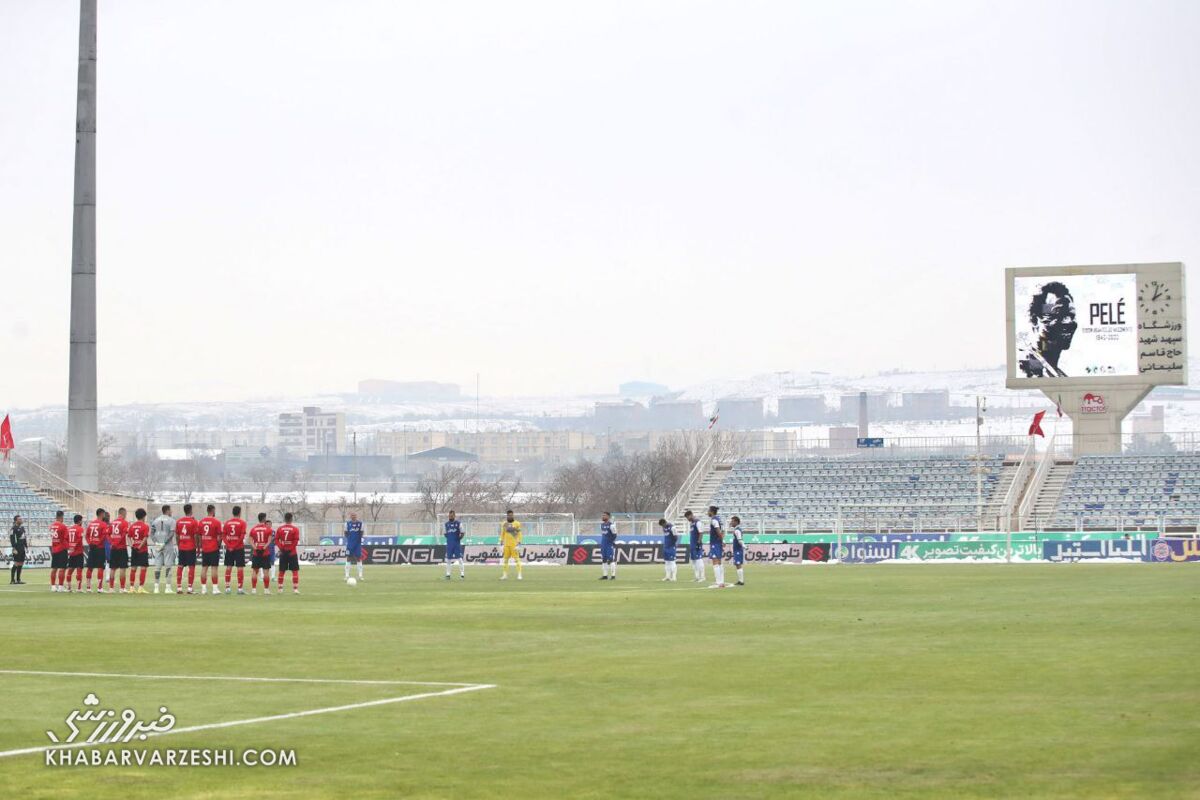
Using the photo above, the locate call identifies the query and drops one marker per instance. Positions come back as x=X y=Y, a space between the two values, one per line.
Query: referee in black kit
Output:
x=17 y=541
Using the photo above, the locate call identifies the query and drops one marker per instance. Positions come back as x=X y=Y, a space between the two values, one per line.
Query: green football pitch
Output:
x=831 y=681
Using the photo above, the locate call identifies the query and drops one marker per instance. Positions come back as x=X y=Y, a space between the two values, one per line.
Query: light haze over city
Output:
x=294 y=196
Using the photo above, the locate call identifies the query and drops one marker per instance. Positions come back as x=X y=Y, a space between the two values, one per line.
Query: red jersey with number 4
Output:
x=233 y=534
x=186 y=529
x=96 y=533
x=287 y=537
x=75 y=540
x=210 y=534
x=139 y=533
x=118 y=531
x=58 y=537
x=260 y=539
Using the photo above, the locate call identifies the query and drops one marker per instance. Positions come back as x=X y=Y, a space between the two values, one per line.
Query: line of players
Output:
x=125 y=549
x=510 y=539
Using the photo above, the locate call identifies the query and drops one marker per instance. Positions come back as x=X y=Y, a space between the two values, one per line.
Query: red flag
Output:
x=6 y=438
x=713 y=419
x=1036 y=427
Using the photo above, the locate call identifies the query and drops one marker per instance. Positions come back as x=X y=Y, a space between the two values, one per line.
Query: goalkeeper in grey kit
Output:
x=166 y=548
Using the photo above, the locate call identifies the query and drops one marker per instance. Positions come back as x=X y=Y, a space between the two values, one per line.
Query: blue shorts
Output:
x=668 y=554
x=454 y=549
x=696 y=552
x=739 y=556
x=354 y=547
x=608 y=552
x=716 y=551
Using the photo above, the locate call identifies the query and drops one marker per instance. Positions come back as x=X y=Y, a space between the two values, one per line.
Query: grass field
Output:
x=835 y=681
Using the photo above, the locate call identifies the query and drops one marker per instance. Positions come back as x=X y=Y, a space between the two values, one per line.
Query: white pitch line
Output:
x=228 y=678
x=255 y=720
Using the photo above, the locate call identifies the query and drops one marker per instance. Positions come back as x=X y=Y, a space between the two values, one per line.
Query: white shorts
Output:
x=165 y=556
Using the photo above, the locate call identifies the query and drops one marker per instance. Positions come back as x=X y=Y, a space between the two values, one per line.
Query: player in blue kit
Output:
x=716 y=548
x=608 y=548
x=354 y=544
x=454 y=547
x=695 y=546
x=670 y=542
x=739 y=550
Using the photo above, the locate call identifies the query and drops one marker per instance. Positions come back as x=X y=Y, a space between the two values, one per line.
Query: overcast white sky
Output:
x=294 y=195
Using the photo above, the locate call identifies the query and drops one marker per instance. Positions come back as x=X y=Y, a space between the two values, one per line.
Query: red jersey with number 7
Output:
x=287 y=537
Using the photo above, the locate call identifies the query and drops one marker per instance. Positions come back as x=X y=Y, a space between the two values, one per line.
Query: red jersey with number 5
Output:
x=139 y=532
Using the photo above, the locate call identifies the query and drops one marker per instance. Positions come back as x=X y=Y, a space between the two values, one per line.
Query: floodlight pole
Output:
x=980 y=407
x=81 y=391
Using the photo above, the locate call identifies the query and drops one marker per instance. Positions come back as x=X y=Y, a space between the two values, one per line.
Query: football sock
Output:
x=741 y=575
x=241 y=576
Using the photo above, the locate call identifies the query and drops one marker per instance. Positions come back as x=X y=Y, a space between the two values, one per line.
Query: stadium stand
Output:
x=16 y=498
x=894 y=489
x=1134 y=490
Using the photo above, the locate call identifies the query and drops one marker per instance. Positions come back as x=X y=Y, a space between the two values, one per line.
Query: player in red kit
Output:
x=186 y=531
x=233 y=536
x=75 y=553
x=210 y=549
x=287 y=538
x=95 y=535
x=58 y=552
x=260 y=554
x=139 y=552
x=118 y=556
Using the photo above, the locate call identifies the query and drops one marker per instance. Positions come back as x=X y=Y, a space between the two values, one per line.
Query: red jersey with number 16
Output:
x=210 y=534
x=117 y=532
x=287 y=537
x=233 y=534
x=58 y=537
x=139 y=532
x=185 y=532
x=260 y=539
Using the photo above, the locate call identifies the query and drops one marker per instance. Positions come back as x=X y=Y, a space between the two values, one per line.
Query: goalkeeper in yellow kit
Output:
x=510 y=539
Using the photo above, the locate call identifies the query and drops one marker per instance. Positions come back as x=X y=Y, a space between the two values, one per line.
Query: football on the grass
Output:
x=351 y=581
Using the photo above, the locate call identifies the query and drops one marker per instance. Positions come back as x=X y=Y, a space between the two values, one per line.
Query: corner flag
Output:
x=6 y=437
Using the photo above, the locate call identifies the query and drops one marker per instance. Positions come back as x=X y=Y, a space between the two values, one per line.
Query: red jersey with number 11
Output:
x=260 y=539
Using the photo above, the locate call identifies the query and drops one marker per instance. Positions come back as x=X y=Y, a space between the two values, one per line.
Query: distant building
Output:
x=674 y=415
x=802 y=408
x=877 y=407
x=313 y=432
x=926 y=405
x=362 y=466
x=642 y=389
x=843 y=438
x=623 y=416
x=740 y=413
x=408 y=390
x=490 y=446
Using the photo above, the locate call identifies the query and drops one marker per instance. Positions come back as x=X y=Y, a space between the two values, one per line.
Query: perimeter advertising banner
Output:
x=34 y=557
x=1123 y=549
x=1172 y=550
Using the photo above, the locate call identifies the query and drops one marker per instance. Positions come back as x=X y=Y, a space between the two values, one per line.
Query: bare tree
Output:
x=263 y=474
x=375 y=505
x=145 y=475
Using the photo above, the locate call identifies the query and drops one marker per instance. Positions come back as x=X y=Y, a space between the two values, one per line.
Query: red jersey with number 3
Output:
x=233 y=534
x=186 y=529
x=210 y=534
x=260 y=539
x=139 y=533
x=117 y=532
x=287 y=537
x=58 y=537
